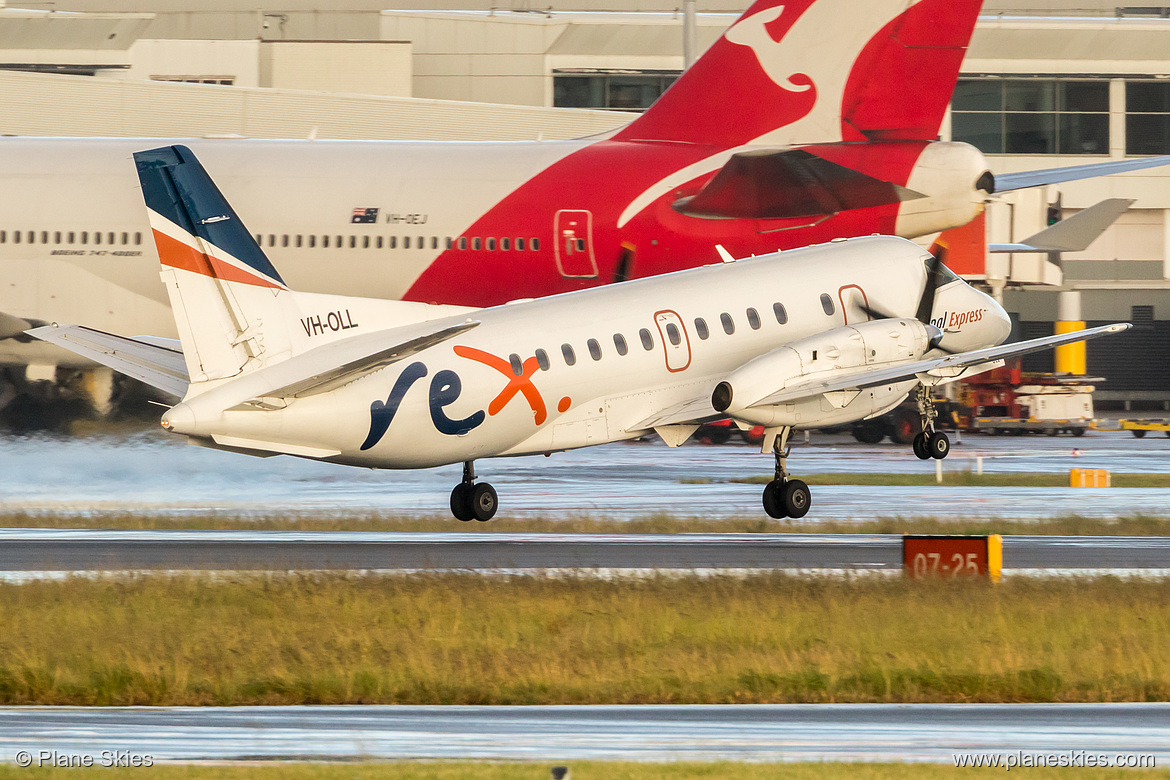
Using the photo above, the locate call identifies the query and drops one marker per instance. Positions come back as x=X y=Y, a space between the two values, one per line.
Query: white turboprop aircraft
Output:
x=802 y=339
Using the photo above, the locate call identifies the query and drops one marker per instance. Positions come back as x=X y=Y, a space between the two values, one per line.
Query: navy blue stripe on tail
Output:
x=175 y=185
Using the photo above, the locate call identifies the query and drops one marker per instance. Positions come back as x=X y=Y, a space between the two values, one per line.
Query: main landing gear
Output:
x=929 y=443
x=470 y=501
x=784 y=496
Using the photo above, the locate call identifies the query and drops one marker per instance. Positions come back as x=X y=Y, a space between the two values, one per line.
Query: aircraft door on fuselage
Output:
x=675 y=341
x=573 y=229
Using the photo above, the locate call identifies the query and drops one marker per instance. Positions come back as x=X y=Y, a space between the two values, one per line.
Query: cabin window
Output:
x=125 y=239
x=72 y=235
x=3 y=236
x=647 y=339
x=365 y=242
x=542 y=359
x=406 y=242
x=353 y=242
x=780 y=312
x=85 y=236
x=378 y=242
x=284 y=240
x=567 y=352
x=520 y=244
x=325 y=241
x=463 y=242
x=312 y=242
x=517 y=364
x=827 y=304
x=434 y=242
x=505 y=244
x=672 y=334
x=97 y=237
x=300 y=240
x=393 y=242
x=535 y=244
x=594 y=349
x=259 y=240
x=728 y=323
x=753 y=319
x=619 y=343
x=450 y=242
x=16 y=236
x=701 y=328
x=109 y=237
x=271 y=240
x=339 y=242
x=56 y=237
x=422 y=243
x=44 y=236
x=477 y=243
x=137 y=239
x=491 y=244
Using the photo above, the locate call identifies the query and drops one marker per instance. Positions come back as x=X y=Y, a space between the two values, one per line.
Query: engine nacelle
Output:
x=817 y=358
x=954 y=179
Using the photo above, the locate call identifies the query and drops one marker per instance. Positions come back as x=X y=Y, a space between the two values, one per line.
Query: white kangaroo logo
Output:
x=753 y=33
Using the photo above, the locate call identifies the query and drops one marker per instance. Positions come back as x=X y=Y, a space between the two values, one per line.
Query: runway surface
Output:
x=153 y=471
x=89 y=550
x=863 y=732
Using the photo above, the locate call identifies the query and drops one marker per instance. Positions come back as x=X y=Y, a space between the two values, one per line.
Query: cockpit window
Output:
x=945 y=275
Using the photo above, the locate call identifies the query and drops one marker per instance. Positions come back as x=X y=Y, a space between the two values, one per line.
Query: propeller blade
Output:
x=933 y=275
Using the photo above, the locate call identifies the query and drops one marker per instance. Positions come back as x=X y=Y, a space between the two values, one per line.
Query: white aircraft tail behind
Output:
x=233 y=311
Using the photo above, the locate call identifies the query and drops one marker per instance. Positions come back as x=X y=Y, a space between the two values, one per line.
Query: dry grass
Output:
x=594 y=770
x=457 y=639
x=1071 y=525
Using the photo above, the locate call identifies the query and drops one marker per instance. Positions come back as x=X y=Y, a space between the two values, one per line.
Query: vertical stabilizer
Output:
x=221 y=285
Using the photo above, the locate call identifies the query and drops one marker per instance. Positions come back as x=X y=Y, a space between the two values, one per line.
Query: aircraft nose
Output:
x=1000 y=323
x=179 y=419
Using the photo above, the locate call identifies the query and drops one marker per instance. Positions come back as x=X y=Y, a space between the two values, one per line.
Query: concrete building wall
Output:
x=171 y=60
x=359 y=67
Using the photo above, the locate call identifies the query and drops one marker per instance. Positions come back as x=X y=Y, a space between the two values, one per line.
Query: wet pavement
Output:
x=150 y=470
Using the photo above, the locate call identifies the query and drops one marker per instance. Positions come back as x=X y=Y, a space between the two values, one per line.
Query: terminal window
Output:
x=621 y=91
x=1032 y=116
x=1147 y=117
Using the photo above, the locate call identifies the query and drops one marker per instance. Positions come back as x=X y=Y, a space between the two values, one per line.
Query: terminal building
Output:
x=1046 y=83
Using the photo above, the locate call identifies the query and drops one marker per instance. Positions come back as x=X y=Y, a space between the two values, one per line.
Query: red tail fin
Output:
x=804 y=71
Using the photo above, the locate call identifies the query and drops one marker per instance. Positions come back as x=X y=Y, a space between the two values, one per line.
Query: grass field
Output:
x=463 y=639
x=580 y=771
x=1073 y=525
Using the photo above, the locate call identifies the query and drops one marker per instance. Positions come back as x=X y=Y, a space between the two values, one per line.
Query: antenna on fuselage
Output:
x=724 y=255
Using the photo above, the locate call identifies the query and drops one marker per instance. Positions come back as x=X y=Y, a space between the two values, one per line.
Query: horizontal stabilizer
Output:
x=147 y=359
x=14 y=327
x=1006 y=182
x=352 y=370
x=1073 y=234
x=788 y=184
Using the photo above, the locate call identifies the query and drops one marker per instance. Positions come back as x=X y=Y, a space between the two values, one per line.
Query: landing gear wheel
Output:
x=461 y=502
x=1078 y=431
x=1139 y=433
x=483 y=502
x=774 y=499
x=919 y=446
x=796 y=498
x=938 y=445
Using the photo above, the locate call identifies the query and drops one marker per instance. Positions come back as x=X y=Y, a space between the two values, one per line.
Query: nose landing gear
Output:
x=470 y=501
x=784 y=496
x=930 y=443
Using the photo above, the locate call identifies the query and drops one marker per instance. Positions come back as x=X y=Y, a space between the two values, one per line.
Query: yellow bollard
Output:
x=1091 y=478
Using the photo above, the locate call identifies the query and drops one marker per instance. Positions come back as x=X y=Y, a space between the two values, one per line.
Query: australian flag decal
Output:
x=364 y=217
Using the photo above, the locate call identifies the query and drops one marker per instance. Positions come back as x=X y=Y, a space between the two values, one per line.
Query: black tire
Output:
x=1053 y=431
x=796 y=498
x=939 y=445
x=868 y=434
x=461 y=502
x=1140 y=433
x=1078 y=431
x=773 y=500
x=919 y=446
x=484 y=502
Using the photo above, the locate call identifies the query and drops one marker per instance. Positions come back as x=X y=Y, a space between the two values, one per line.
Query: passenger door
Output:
x=573 y=229
x=675 y=341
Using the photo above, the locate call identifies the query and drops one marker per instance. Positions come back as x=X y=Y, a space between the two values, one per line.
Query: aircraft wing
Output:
x=1073 y=234
x=935 y=370
x=932 y=371
x=1006 y=182
x=770 y=184
x=146 y=359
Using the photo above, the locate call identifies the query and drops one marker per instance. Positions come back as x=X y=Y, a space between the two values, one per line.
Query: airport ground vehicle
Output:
x=1140 y=428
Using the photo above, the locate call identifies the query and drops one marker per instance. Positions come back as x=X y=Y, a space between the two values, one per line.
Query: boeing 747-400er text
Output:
x=807 y=120
x=802 y=339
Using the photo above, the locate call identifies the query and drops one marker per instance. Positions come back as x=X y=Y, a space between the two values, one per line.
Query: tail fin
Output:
x=220 y=283
x=803 y=71
x=233 y=312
